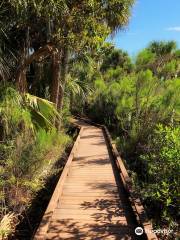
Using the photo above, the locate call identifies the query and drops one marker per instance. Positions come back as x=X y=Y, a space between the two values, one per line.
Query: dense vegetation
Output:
x=30 y=146
x=54 y=62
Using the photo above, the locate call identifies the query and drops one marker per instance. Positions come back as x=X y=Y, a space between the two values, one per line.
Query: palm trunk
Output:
x=36 y=78
x=55 y=78
x=21 y=73
x=21 y=82
x=62 y=82
x=63 y=72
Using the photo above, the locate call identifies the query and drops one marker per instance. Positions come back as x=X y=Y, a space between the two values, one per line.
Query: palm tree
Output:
x=164 y=52
x=163 y=48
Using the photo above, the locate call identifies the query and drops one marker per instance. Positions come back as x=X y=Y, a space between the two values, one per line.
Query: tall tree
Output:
x=87 y=25
x=164 y=51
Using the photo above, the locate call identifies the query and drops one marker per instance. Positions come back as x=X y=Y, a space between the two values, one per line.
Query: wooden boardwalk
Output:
x=90 y=201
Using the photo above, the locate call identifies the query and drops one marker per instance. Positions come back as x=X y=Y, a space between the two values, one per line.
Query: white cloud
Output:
x=175 y=29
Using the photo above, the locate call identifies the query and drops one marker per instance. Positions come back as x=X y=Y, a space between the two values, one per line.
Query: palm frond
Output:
x=43 y=111
x=76 y=87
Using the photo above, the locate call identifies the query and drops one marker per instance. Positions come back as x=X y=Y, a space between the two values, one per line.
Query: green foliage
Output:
x=43 y=112
x=162 y=48
x=67 y=20
x=163 y=165
x=117 y=58
x=114 y=74
x=138 y=99
x=28 y=148
x=14 y=115
x=145 y=59
x=25 y=112
x=161 y=58
x=170 y=69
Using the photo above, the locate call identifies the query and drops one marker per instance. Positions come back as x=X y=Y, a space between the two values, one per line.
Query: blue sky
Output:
x=150 y=20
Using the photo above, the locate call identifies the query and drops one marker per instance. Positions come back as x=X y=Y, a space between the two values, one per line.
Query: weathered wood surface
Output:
x=89 y=201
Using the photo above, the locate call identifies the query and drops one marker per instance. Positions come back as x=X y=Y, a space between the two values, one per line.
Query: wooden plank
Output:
x=112 y=212
x=90 y=188
x=68 y=222
x=96 y=216
x=88 y=180
x=90 y=205
x=91 y=172
x=69 y=203
x=83 y=156
x=70 y=227
x=89 y=194
x=91 y=184
x=92 y=169
x=90 y=198
x=84 y=236
x=95 y=177
x=92 y=165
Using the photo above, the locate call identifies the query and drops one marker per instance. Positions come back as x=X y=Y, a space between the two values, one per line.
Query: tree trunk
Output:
x=21 y=81
x=55 y=78
x=36 y=79
x=62 y=82
x=63 y=72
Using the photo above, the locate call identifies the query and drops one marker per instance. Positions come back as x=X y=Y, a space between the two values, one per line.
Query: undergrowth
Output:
x=27 y=153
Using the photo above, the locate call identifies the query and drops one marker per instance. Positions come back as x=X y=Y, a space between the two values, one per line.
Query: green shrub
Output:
x=162 y=160
x=28 y=163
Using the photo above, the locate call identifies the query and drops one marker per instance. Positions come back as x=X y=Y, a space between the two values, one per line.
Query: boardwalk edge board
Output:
x=44 y=224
